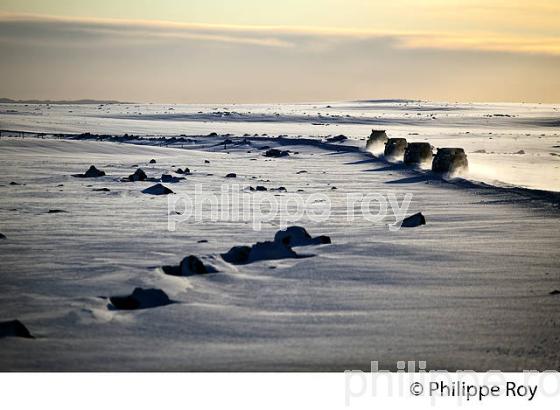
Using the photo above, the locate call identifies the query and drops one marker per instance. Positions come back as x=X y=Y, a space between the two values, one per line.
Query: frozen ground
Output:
x=469 y=290
x=492 y=134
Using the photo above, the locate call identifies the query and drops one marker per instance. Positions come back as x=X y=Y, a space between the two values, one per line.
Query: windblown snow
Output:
x=82 y=258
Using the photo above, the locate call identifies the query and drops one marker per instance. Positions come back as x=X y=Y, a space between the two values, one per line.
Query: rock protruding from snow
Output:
x=298 y=236
x=338 y=138
x=414 y=221
x=418 y=153
x=276 y=153
x=14 y=328
x=140 y=299
x=231 y=175
x=395 y=147
x=190 y=266
x=185 y=171
x=139 y=175
x=2 y=236
x=171 y=179
x=152 y=161
x=268 y=250
x=450 y=160
x=158 y=189
x=92 y=172
x=237 y=255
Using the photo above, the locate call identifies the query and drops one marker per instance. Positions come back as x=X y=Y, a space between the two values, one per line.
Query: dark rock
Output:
x=139 y=175
x=260 y=188
x=555 y=292
x=270 y=250
x=189 y=266
x=157 y=189
x=56 y=211
x=301 y=172
x=140 y=299
x=192 y=265
x=170 y=178
x=276 y=153
x=2 y=236
x=14 y=328
x=298 y=236
x=231 y=175
x=183 y=171
x=152 y=161
x=92 y=172
x=237 y=255
x=203 y=241
x=101 y=190
x=240 y=255
x=414 y=221
x=14 y=183
x=338 y=138
x=206 y=161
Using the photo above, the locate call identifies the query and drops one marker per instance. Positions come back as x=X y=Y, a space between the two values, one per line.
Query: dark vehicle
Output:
x=395 y=147
x=450 y=160
x=376 y=140
x=417 y=153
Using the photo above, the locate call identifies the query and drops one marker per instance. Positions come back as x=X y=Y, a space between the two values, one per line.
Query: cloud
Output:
x=67 y=31
x=154 y=61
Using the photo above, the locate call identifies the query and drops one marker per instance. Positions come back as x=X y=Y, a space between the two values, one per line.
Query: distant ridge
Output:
x=389 y=100
x=85 y=101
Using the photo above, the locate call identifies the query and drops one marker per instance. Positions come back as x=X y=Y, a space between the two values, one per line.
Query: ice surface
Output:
x=500 y=129
x=468 y=290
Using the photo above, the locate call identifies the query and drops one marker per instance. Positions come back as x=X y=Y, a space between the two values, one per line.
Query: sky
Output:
x=249 y=51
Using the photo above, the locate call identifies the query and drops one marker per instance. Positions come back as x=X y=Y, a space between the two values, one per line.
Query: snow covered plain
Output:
x=469 y=290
